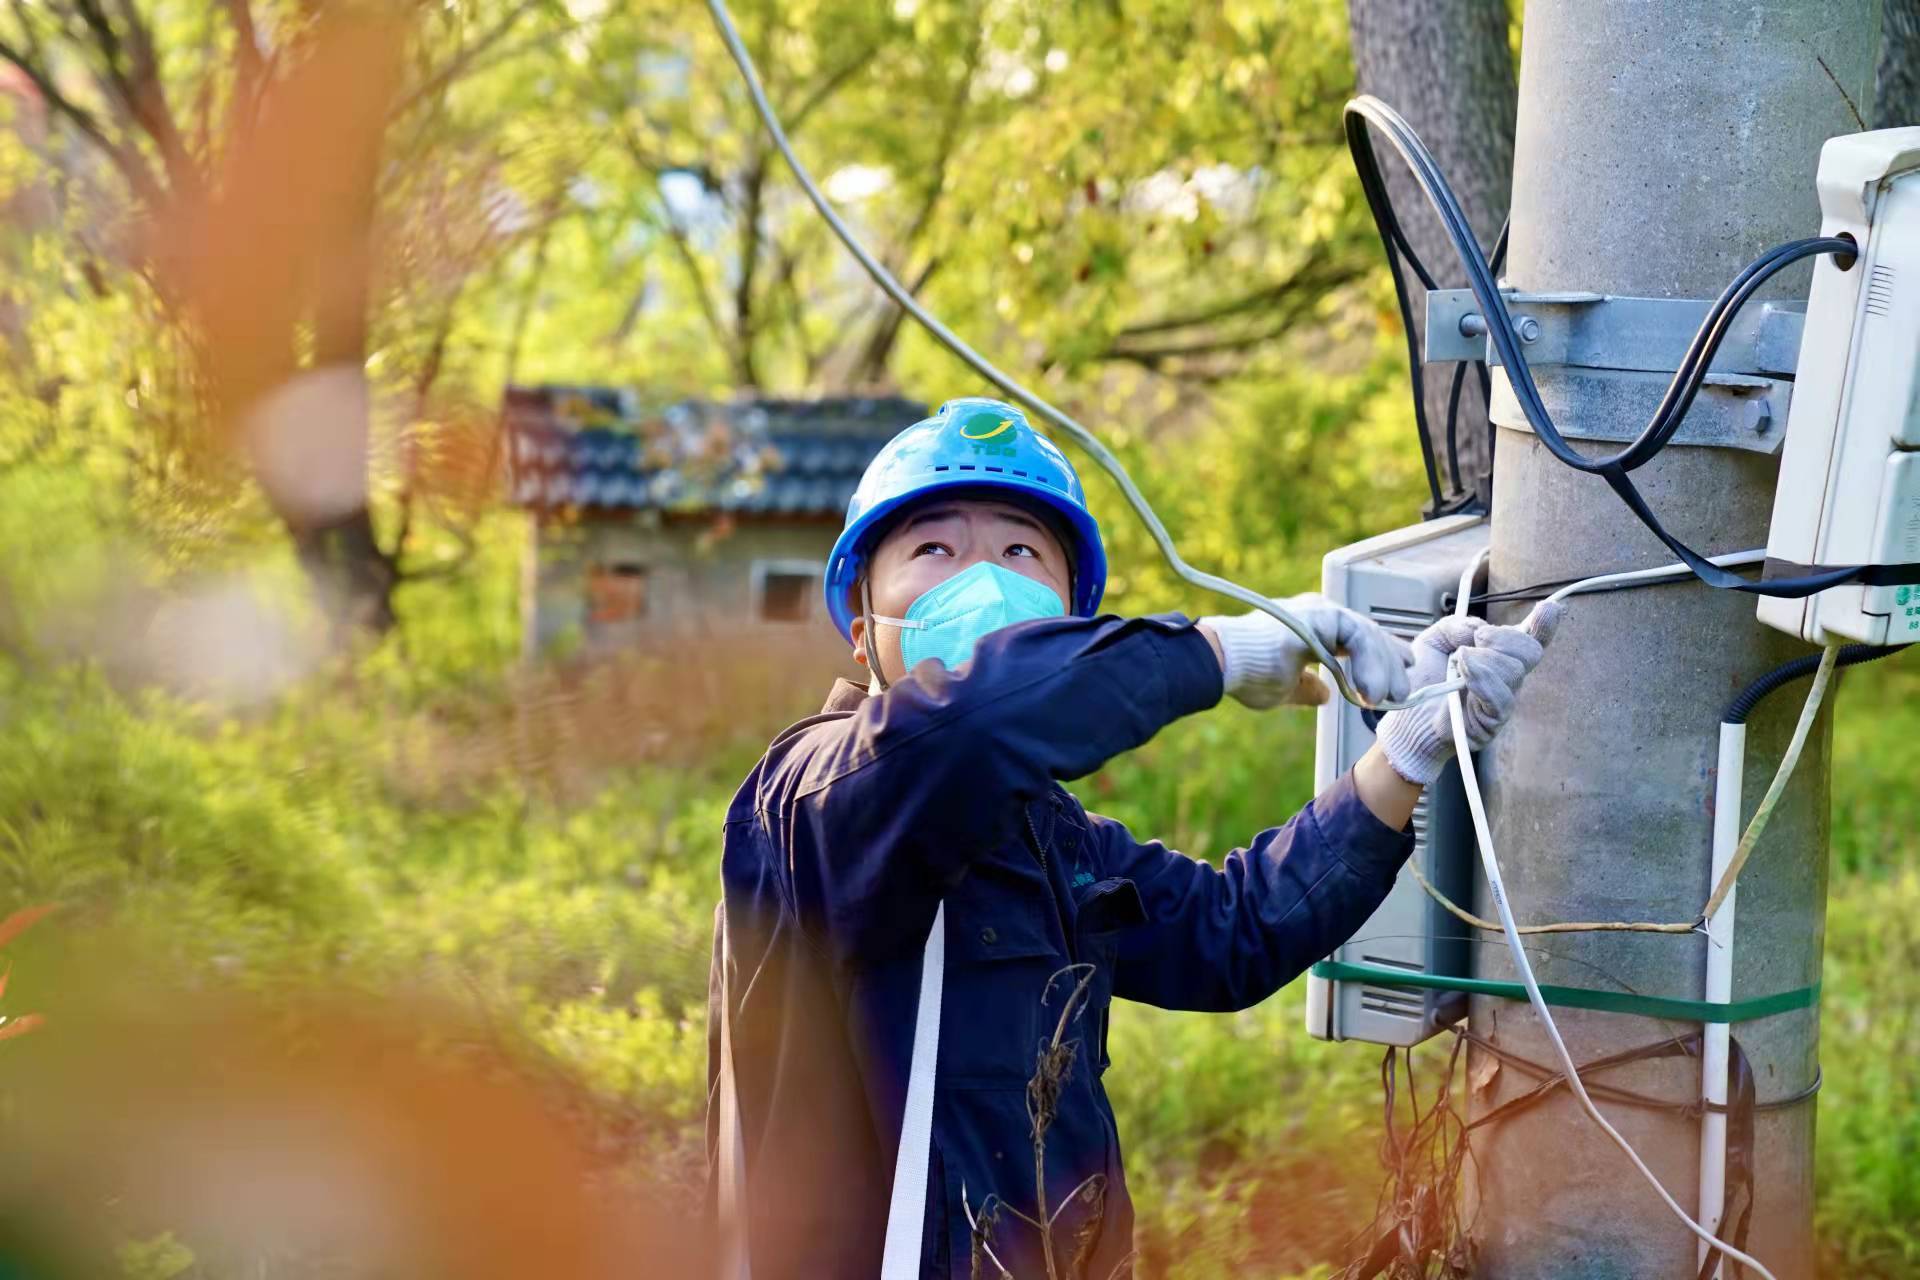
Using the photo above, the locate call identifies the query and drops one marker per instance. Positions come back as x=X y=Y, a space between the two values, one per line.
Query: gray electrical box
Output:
x=1404 y=581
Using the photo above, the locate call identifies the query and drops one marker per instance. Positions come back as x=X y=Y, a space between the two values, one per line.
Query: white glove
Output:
x=1264 y=664
x=1419 y=741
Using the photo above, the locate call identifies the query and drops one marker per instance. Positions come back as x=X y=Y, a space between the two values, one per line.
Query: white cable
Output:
x=1077 y=433
x=1733 y=559
x=1483 y=835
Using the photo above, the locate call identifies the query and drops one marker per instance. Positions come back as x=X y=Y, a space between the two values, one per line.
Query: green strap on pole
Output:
x=1581 y=997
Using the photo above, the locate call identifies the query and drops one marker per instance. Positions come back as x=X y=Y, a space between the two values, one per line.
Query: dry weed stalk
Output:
x=1053 y=1066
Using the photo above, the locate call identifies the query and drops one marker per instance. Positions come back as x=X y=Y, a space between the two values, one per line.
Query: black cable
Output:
x=1415 y=366
x=1464 y=500
x=1486 y=398
x=1787 y=672
x=1398 y=248
x=1552 y=1078
x=1396 y=239
x=1498 y=258
x=1453 y=423
x=1365 y=111
x=1416 y=1221
x=1742 y=1106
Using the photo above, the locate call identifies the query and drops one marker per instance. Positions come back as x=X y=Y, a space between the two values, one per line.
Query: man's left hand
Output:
x=1265 y=664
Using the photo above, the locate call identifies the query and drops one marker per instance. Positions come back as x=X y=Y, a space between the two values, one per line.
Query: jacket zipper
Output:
x=1033 y=834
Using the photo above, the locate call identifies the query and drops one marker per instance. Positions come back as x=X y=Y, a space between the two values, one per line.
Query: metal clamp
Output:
x=1601 y=361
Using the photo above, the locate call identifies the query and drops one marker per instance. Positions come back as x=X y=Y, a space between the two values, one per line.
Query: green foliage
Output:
x=133 y=809
x=160 y=1258
x=1870 y=1100
x=1873 y=771
x=1869 y=1135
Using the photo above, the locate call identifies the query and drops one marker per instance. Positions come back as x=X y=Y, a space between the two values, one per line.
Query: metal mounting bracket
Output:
x=1590 y=349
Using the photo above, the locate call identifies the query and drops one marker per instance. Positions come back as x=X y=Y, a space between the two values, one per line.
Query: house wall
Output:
x=693 y=582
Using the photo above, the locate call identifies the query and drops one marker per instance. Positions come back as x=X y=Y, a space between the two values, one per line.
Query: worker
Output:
x=968 y=580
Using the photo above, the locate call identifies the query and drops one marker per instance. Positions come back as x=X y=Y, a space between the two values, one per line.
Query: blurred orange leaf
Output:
x=20 y=1026
x=19 y=922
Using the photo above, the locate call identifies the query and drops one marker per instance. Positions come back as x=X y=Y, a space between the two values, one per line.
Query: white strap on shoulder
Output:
x=906 y=1216
x=732 y=1183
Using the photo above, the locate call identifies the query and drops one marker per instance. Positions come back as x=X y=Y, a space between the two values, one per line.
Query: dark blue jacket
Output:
x=860 y=820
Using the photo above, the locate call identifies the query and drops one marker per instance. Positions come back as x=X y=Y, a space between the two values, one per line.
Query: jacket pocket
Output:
x=1002 y=962
x=1102 y=911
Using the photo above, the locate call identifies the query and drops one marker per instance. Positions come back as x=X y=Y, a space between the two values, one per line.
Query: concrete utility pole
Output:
x=1660 y=147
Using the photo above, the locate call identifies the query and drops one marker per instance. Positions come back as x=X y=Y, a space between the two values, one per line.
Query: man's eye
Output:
x=933 y=548
x=1022 y=549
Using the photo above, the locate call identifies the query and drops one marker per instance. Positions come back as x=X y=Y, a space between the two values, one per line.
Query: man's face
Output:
x=942 y=538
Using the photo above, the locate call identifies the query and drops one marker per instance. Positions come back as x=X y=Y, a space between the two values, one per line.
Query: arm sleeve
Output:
x=887 y=807
x=1227 y=937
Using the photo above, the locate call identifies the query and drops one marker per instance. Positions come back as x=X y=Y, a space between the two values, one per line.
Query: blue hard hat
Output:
x=974 y=444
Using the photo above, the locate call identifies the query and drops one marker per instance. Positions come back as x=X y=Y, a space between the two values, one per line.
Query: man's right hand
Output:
x=1265 y=664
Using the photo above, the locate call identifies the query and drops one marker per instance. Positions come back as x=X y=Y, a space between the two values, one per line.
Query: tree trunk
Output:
x=289 y=240
x=1446 y=66
x=1896 y=97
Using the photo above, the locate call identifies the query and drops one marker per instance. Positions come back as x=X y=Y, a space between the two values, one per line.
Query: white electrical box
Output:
x=1849 y=490
x=1404 y=580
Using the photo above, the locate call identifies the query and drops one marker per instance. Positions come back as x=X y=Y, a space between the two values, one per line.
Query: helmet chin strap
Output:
x=866 y=636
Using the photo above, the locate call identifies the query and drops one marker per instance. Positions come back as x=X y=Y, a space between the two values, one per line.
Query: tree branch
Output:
x=523 y=312
x=787 y=262
x=872 y=365
x=28 y=33
x=423 y=384
x=746 y=371
x=822 y=92
x=133 y=76
x=683 y=248
x=1316 y=275
x=132 y=167
x=1152 y=355
x=1289 y=310
x=464 y=60
x=246 y=47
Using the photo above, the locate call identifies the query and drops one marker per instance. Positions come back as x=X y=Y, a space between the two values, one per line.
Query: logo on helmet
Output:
x=1006 y=425
x=989 y=443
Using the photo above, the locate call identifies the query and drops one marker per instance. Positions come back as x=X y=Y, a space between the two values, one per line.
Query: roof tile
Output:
x=602 y=447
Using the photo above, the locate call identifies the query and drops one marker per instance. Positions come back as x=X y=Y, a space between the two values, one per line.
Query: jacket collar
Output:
x=846 y=696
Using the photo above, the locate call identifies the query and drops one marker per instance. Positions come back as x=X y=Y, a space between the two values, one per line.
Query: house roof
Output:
x=607 y=448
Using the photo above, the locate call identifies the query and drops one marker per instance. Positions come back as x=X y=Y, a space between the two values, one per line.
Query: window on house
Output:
x=784 y=590
x=616 y=591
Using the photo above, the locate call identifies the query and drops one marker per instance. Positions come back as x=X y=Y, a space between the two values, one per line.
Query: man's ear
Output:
x=859 y=629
